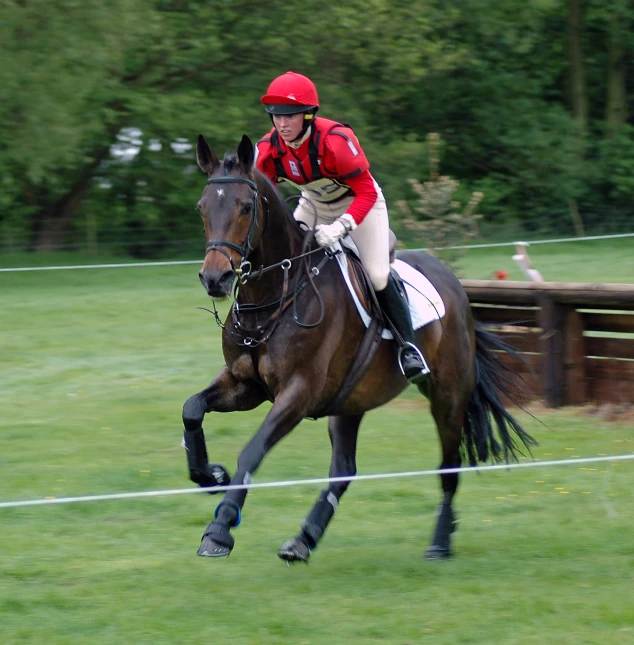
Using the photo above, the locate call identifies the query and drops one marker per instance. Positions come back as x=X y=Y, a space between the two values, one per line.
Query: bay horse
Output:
x=291 y=337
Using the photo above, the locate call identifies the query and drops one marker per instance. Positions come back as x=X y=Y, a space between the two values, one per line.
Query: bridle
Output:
x=244 y=273
x=245 y=249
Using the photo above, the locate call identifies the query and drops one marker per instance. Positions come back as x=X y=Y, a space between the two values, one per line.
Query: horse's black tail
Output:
x=492 y=379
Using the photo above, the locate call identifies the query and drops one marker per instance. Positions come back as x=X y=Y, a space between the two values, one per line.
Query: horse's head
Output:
x=232 y=212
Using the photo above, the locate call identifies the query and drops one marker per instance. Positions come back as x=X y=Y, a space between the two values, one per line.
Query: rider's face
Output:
x=288 y=125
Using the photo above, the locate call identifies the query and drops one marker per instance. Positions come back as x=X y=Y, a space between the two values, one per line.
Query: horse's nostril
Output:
x=226 y=280
x=217 y=286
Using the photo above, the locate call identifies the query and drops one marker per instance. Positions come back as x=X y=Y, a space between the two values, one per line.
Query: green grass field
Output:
x=609 y=260
x=96 y=365
x=589 y=261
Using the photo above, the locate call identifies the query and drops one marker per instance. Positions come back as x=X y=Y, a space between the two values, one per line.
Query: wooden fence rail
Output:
x=577 y=338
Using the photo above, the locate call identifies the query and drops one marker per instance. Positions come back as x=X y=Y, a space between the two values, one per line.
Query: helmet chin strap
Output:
x=303 y=135
x=309 y=117
x=305 y=131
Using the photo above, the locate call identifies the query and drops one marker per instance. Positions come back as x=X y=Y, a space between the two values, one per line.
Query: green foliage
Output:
x=436 y=218
x=489 y=77
x=615 y=168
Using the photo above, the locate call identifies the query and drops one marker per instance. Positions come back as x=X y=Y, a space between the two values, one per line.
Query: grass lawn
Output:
x=96 y=365
x=591 y=261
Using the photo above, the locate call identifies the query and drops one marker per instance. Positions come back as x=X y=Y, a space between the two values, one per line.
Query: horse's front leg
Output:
x=289 y=409
x=343 y=433
x=224 y=394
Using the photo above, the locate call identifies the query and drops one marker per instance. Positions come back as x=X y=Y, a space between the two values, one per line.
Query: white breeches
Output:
x=371 y=236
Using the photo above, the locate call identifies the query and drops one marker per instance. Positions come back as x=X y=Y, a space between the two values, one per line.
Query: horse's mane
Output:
x=270 y=191
x=231 y=165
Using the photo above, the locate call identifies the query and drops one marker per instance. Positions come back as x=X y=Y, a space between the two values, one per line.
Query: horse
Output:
x=292 y=336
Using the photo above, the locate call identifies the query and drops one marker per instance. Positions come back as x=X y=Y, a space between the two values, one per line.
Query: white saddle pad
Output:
x=425 y=303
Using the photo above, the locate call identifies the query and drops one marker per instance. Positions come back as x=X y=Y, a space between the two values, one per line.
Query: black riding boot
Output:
x=396 y=308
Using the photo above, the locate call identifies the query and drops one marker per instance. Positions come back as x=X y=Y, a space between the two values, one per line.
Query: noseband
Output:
x=245 y=249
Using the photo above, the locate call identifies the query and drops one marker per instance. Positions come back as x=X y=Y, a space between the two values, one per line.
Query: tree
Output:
x=492 y=78
x=436 y=217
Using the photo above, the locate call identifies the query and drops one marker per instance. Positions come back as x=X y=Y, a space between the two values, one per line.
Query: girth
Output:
x=369 y=343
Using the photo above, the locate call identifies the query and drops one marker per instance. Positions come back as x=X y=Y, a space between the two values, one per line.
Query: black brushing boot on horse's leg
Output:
x=396 y=308
x=201 y=472
x=298 y=549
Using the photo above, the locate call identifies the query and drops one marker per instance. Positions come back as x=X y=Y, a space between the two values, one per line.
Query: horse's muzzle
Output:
x=217 y=285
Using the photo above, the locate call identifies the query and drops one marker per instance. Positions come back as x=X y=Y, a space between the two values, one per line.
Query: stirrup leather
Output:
x=412 y=347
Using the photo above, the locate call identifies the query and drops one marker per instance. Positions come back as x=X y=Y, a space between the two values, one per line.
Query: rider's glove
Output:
x=328 y=234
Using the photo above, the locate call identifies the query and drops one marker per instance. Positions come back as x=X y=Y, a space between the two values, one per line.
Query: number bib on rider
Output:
x=322 y=190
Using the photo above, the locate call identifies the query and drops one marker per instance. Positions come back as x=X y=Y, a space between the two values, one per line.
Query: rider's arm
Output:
x=365 y=195
x=346 y=159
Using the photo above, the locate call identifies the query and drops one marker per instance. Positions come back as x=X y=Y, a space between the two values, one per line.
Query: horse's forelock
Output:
x=229 y=163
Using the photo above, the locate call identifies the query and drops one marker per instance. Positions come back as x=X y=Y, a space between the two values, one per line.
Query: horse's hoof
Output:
x=438 y=553
x=217 y=541
x=210 y=549
x=294 y=550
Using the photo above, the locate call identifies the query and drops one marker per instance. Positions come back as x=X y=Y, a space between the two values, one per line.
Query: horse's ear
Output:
x=205 y=156
x=246 y=153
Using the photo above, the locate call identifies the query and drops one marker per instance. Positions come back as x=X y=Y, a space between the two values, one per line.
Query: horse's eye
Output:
x=246 y=209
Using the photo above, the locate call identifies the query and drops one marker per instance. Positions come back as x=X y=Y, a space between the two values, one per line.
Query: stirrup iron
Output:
x=410 y=346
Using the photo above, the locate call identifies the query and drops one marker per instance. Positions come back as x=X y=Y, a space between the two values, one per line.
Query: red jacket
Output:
x=329 y=165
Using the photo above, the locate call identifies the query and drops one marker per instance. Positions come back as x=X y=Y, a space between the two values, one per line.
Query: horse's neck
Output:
x=281 y=240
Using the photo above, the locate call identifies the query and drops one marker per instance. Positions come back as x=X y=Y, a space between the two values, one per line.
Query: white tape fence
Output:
x=124 y=265
x=311 y=482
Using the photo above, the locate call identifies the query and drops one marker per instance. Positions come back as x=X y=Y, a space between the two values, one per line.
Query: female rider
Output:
x=323 y=159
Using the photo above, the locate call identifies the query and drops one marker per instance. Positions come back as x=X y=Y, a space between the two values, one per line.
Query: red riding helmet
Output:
x=291 y=93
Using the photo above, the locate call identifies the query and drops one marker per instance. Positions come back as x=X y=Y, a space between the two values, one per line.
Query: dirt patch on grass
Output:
x=619 y=413
x=622 y=413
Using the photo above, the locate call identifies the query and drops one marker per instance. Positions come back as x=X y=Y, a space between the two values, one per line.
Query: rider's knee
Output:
x=378 y=277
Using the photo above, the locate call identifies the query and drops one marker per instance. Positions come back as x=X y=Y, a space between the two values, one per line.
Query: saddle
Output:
x=360 y=280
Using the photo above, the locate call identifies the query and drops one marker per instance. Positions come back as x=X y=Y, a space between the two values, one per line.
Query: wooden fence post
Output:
x=576 y=387
x=552 y=317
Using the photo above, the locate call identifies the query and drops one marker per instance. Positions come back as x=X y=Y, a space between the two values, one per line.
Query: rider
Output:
x=323 y=159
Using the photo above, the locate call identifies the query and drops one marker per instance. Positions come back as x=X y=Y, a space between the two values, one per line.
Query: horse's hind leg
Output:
x=343 y=433
x=449 y=418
